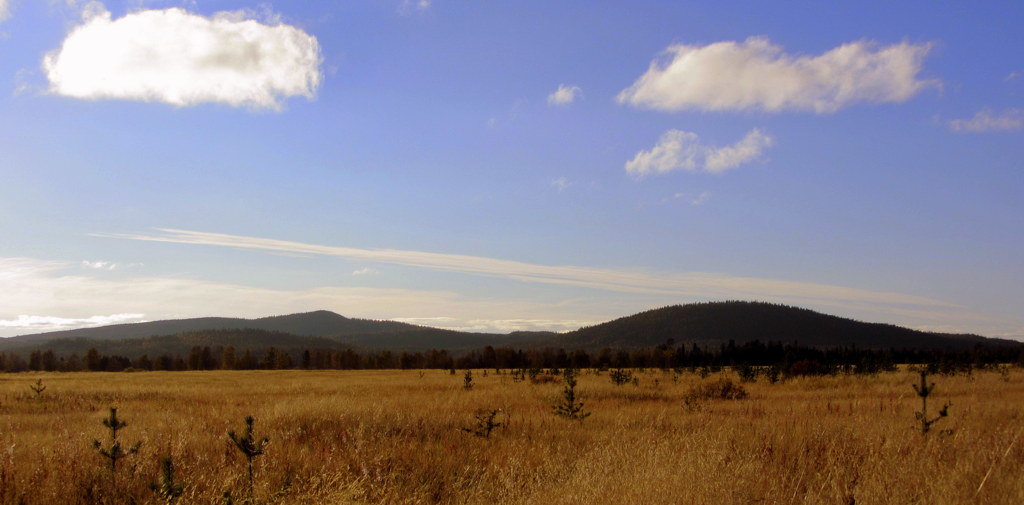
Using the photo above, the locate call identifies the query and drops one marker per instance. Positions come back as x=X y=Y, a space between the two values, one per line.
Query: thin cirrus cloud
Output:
x=564 y=95
x=690 y=284
x=986 y=120
x=29 y=323
x=184 y=59
x=41 y=295
x=682 y=150
x=758 y=75
x=44 y=295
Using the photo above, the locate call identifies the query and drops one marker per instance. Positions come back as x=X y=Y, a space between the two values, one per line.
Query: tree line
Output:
x=788 y=357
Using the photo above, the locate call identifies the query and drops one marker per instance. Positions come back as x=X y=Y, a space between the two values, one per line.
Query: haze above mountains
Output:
x=704 y=324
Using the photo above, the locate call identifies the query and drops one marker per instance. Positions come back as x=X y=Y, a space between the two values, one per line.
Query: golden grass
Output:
x=394 y=437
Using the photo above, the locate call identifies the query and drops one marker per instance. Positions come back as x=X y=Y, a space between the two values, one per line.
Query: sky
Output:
x=502 y=166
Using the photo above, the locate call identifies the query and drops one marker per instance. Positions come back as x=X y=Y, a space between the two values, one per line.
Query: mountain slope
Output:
x=318 y=323
x=705 y=324
x=715 y=323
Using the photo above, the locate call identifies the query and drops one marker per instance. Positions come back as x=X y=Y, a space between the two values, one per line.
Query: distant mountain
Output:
x=319 y=329
x=715 y=323
x=706 y=324
x=318 y=323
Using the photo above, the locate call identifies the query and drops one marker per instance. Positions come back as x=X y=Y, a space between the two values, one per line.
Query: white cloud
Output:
x=99 y=265
x=5 y=10
x=681 y=150
x=184 y=59
x=564 y=95
x=70 y=298
x=700 y=199
x=407 y=7
x=986 y=120
x=365 y=271
x=560 y=184
x=758 y=75
x=26 y=323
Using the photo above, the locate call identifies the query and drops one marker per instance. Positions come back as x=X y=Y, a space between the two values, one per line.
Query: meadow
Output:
x=338 y=437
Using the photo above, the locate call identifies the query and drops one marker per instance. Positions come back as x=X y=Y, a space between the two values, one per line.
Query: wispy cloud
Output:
x=26 y=323
x=564 y=95
x=986 y=120
x=5 y=10
x=758 y=75
x=691 y=284
x=408 y=7
x=560 y=184
x=681 y=150
x=184 y=59
x=700 y=199
x=364 y=271
x=99 y=265
x=59 y=295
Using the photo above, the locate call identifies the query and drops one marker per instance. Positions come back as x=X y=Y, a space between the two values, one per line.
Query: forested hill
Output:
x=708 y=325
x=715 y=323
x=319 y=323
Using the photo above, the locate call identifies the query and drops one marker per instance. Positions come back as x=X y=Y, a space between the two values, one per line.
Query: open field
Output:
x=394 y=437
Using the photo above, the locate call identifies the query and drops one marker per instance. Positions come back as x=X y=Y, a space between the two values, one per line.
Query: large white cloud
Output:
x=184 y=59
x=758 y=75
x=681 y=150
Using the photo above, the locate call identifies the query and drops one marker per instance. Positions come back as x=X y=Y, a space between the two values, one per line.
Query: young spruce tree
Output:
x=114 y=452
x=569 y=406
x=250 y=447
x=167 y=488
x=37 y=388
x=924 y=390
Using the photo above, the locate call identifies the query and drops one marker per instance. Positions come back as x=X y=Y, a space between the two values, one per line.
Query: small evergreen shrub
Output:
x=114 y=452
x=485 y=423
x=924 y=390
x=620 y=376
x=569 y=406
x=467 y=380
x=167 y=489
x=37 y=388
x=251 y=448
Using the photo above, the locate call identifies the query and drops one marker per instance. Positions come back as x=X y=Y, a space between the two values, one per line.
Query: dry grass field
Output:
x=394 y=437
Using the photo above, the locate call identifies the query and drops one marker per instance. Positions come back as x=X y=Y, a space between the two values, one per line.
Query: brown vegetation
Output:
x=396 y=437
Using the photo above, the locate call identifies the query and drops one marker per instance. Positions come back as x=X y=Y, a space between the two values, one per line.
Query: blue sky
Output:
x=416 y=160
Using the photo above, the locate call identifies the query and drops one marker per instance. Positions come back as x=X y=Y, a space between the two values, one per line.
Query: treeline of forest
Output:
x=789 y=358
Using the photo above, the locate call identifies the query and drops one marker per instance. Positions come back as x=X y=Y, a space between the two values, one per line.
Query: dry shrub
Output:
x=721 y=389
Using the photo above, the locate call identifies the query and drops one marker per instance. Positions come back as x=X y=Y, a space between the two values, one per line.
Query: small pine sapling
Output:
x=924 y=390
x=747 y=373
x=250 y=447
x=569 y=407
x=37 y=388
x=620 y=377
x=167 y=489
x=467 y=380
x=485 y=423
x=114 y=452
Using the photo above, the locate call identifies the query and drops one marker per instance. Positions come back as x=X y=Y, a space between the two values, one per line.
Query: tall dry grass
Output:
x=394 y=437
